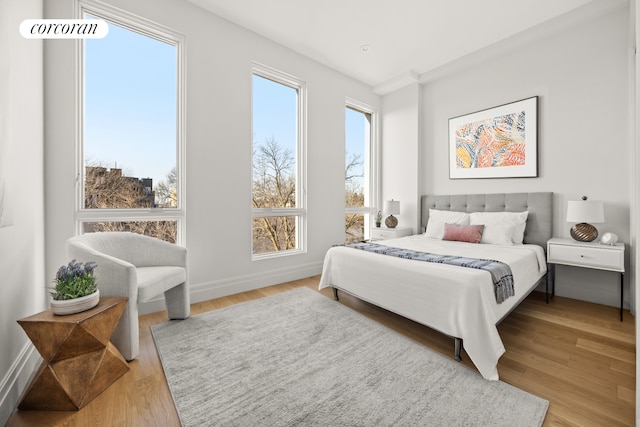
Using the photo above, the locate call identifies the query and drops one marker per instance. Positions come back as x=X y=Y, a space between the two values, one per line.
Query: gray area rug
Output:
x=299 y=358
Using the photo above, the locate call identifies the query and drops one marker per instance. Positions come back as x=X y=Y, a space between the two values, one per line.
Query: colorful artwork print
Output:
x=492 y=142
x=500 y=142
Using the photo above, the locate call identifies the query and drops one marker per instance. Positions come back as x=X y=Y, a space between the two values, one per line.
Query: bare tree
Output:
x=354 y=198
x=274 y=186
x=110 y=188
x=352 y=170
x=166 y=191
x=164 y=230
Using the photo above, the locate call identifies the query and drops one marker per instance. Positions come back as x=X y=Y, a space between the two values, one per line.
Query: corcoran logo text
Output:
x=64 y=28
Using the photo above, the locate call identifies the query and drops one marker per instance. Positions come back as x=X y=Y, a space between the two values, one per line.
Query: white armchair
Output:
x=140 y=268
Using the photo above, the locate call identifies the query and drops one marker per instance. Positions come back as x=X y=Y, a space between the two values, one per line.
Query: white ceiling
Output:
x=406 y=37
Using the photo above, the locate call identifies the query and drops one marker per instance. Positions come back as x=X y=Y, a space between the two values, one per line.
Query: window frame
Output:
x=300 y=211
x=163 y=34
x=373 y=166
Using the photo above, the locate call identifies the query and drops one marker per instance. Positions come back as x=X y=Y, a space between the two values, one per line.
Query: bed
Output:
x=457 y=301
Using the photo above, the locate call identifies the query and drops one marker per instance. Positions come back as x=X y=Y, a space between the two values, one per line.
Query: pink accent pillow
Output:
x=463 y=233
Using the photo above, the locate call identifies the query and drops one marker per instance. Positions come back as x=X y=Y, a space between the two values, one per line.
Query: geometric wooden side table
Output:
x=79 y=359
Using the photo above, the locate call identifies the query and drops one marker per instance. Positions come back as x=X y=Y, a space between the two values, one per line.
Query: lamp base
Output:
x=584 y=232
x=391 y=221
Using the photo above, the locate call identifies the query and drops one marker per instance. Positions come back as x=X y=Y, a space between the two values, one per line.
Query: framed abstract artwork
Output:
x=500 y=142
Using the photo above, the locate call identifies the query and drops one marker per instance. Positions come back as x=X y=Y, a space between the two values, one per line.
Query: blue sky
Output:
x=355 y=138
x=130 y=103
x=130 y=106
x=274 y=113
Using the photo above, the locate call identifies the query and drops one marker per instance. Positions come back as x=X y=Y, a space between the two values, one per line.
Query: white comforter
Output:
x=457 y=301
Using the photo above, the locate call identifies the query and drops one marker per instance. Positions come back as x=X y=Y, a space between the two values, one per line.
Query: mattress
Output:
x=456 y=301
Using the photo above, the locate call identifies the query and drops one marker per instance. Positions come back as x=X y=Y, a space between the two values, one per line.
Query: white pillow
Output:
x=518 y=219
x=438 y=218
x=498 y=234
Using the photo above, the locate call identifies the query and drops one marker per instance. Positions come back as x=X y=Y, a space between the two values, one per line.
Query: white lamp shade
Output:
x=392 y=207
x=585 y=211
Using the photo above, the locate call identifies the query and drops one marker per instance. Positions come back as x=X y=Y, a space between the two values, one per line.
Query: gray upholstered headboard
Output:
x=540 y=206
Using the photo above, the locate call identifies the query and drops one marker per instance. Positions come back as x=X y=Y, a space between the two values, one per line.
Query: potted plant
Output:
x=75 y=288
x=378 y=219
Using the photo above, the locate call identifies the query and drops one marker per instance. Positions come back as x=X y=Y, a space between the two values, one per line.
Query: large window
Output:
x=131 y=128
x=278 y=205
x=358 y=170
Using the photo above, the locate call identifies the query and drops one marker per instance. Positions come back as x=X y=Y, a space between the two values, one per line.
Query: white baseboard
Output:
x=233 y=285
x=15 y=382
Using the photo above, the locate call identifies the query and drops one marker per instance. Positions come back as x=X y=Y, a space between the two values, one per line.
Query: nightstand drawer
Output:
x=589 y=257
x=378 y=233
x=389 y=233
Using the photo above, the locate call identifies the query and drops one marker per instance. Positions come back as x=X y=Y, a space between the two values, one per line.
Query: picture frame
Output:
x=499 y=142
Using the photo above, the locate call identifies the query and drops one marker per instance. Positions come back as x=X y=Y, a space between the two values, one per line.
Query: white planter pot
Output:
x=71 y=306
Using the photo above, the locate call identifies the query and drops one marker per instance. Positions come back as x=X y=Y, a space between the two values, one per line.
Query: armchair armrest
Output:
x=114 y=276
x=154 y=252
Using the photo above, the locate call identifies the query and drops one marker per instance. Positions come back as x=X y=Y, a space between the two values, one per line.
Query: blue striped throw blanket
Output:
x=500 y=272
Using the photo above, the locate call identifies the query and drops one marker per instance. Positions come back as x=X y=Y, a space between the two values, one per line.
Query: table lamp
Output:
x=583 y=212
x=392 y=207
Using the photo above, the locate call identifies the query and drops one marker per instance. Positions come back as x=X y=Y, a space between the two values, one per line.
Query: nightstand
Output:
x=383 y=233
x=588 y=255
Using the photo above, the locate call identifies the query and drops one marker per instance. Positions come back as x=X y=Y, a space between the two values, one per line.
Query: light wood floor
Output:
x=577 y=355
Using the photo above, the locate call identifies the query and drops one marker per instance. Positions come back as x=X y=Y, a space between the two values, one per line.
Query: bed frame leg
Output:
x=546 y=286
x=458 y=349
x=335 y=294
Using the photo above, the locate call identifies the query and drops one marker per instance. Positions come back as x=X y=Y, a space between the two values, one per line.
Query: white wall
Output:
x=579 y=70
x=218 y=148
x=22 y=282
x=399 y=153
